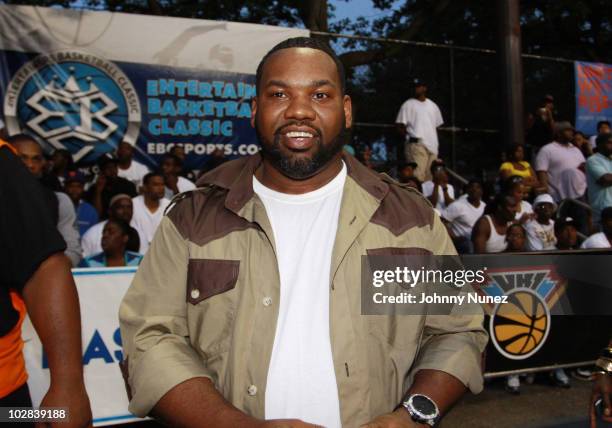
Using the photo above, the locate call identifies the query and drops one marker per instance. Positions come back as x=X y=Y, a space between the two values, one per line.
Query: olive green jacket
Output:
x=204 y=302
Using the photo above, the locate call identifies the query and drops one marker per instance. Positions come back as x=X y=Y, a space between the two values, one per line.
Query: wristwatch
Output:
x=422 y=409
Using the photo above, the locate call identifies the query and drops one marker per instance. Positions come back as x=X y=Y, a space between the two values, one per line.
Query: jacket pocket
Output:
x=209 y=277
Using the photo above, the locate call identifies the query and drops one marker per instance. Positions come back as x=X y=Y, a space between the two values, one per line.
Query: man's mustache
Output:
x=280 y=129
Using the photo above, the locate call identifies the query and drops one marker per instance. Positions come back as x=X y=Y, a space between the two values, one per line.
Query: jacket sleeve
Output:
x=67 y=226
x=453 y=343
x=153 y=321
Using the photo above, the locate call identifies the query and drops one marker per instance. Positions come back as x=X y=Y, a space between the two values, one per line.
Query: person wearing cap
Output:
x=108 y=184
x=541 y=229
x=566 y=233
x=599 y=176
x=555 y=158
x=74 y=186
x=417 y=120
x=120 y=208
x=601 y=239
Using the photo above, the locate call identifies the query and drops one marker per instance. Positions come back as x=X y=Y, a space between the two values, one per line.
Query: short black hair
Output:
x=124 y=226
x=520 y=226
x=150 y=175
x=303 y=42
x=14 y=139
x=601 y=123
x=177 y=161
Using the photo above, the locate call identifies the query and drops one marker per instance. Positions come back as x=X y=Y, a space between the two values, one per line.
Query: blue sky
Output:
x=355 y=8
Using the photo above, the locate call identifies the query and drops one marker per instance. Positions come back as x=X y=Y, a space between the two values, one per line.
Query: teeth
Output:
x=299 y=134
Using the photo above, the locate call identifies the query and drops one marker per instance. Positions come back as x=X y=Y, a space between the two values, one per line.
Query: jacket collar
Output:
x=236 y=176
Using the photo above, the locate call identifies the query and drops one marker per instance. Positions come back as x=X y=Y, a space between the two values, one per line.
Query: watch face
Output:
x=423 y=405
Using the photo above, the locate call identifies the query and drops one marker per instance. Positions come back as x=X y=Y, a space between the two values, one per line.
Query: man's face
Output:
x=604 y=128
x=75 y=190
x=406 y=172
x=110 y=170
x=169 y=167
x=121 y=210
x=544 y=211
x=474 y=191
x=567 y=135
x=125 y=152
x=508 y=209
x=567 y=237
x=420 y=90
x=32 y=156
x=606 y=148
x=300 y=114
x=178 y=151
x=518 y=191
x=579 y=140
x=155 y=188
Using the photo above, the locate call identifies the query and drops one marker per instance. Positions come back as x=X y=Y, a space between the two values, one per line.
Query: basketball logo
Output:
x=519 y=327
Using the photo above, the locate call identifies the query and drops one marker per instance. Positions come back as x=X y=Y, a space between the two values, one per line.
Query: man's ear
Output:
x=348 y=111
x=253 y=111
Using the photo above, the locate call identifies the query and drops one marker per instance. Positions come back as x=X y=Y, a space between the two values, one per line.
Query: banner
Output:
x=100 y=293
x=86 y=81
x=593 y=95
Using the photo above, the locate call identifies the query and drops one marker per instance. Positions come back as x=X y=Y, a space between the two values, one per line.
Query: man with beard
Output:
x=246 y=309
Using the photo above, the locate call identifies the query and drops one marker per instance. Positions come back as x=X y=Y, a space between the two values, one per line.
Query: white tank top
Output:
x=496 y=242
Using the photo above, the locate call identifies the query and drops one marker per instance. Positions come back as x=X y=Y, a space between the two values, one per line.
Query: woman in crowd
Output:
x=115 y=240
x=517 y=165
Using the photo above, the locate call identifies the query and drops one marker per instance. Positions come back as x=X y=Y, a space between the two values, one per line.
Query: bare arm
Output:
x=53 y=306
x=480 y=234
x=543 y=178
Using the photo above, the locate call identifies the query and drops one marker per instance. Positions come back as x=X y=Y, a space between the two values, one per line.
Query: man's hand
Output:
x=398 y=419
x=602 y=388
x=74 y=397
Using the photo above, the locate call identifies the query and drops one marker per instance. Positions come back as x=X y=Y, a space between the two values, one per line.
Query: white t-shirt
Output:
x=554 y=158
x=597 y=240
x=540 y=236
x=462 y=216
x=91 y=242
x=146 y=222
x=428 y=189
x=421 y=119
x=301 y=379
x=135 y=173
x=182 y=184
x=526 y=208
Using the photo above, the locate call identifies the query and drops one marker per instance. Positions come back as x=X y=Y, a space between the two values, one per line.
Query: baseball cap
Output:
x=562 y=126
x=75 y=176
x=107 y=158
x=543 y=199
x=562 y=222
x=417 y=81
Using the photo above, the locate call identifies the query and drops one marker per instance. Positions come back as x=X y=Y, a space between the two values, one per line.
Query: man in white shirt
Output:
x=418 y=120
x=149 y=208
x=603 y=127
x=602 y=239
x=129 y=168
x=439 y=191
x=599 y=176
x=462 y=214
x=541 y=229
x=554 y=159
x=171 y=167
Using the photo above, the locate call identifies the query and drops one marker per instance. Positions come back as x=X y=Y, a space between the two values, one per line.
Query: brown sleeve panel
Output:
x=402 y=209
x=202 y=217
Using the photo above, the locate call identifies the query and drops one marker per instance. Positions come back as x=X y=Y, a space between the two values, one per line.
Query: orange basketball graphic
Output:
x=519 y=327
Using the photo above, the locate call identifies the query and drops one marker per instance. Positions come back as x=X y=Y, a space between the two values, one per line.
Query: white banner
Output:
x=100 y=293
